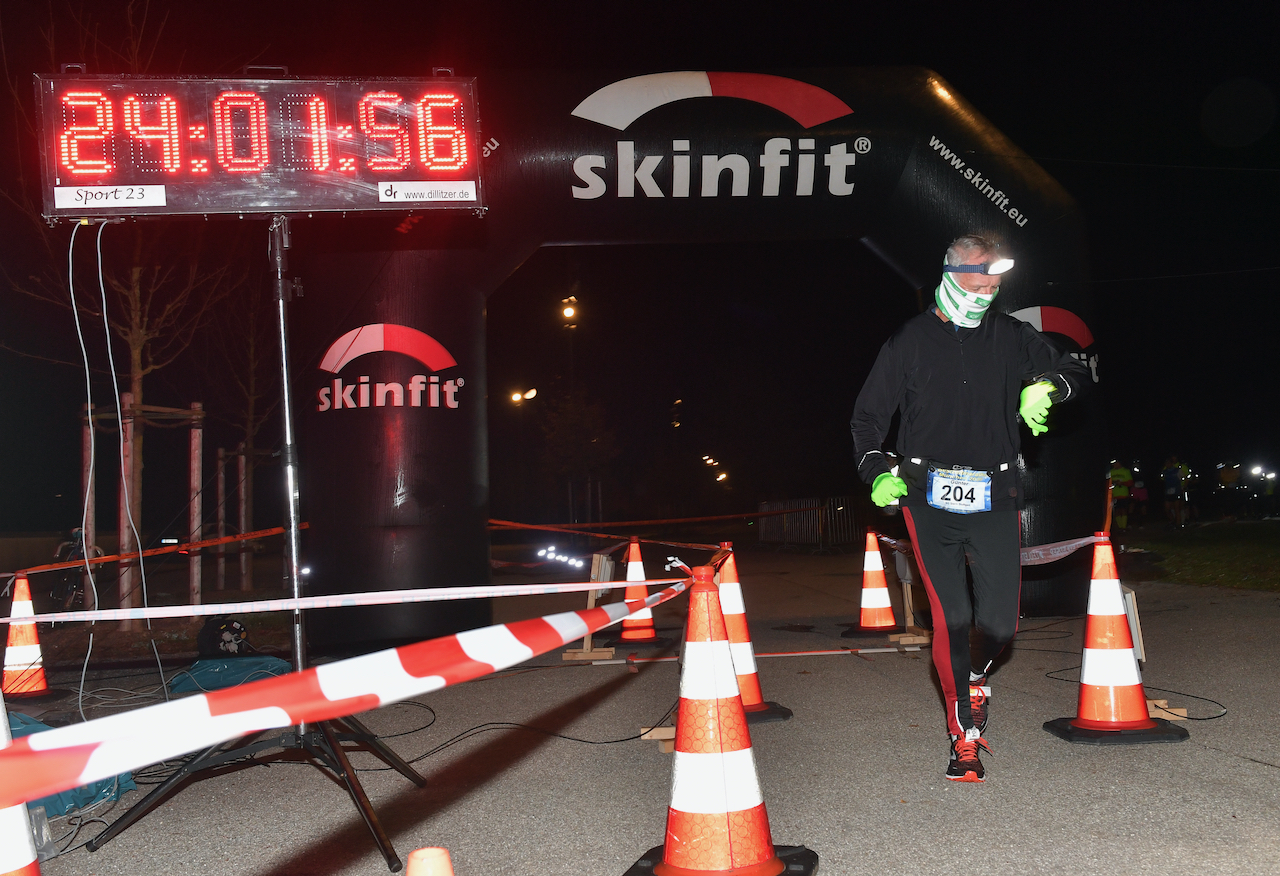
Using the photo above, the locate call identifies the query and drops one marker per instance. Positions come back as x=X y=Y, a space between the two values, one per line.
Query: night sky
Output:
x=1160 y=121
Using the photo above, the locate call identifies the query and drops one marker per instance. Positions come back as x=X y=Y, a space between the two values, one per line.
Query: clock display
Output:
x=114 y=146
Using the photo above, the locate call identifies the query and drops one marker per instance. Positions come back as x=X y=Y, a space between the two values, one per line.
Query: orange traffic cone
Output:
x=717 y=821
x=637 y=629
x=744 y=656
x=23 y=663
x=1113 y=706
x=17 y=846
x=429 y=862
x=877 y=614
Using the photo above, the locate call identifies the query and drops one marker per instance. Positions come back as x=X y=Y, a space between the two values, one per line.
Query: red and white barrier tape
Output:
x=1047 y=553
x=341 y=600
x=66 y=757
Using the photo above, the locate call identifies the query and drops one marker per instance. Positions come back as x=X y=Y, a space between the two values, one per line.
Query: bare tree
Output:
x=160 y=280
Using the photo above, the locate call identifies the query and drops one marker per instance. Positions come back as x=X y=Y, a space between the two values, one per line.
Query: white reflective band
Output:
x=1109 y=667
x=875 y=597
x=22 y=609
x=118 y=755
x=744 y=657
x=708 y=672
x=495 y=646
x=872 y=562
x=189 y=711
x=568 y=625
x=381 y=670
x=915 y=460
x=1105 y=597
x=1004 y=466
x=635 y=571
x=17 y=849
x=714 y=783
x=731 y=598
x=18 y=656
x=642 y=614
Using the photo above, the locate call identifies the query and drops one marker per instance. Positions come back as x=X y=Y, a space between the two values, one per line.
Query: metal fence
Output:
x=821 y=524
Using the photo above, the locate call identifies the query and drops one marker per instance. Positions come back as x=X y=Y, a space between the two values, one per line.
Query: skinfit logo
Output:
x=621 y=103
x=420 y=391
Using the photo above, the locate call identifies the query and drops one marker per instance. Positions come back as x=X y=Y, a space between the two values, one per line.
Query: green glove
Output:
x=1034 y=405
x=886 y=488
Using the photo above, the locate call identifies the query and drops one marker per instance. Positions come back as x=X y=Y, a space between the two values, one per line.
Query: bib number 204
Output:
x=957 y=493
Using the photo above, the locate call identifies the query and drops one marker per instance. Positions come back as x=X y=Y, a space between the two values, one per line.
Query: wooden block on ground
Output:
x=583 y=654
x=666 y=737
x=1161 y=709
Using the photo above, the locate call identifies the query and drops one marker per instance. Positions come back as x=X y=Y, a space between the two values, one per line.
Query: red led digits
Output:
x=77 y=108
x=318 y=112
x=442 y=143
x=240 y=131
x=165 y=132
x=393 y=133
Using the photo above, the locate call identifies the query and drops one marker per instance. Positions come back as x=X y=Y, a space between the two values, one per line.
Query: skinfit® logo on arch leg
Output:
x=419 y=391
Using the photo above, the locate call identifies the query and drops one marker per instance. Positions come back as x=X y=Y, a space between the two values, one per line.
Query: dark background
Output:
x=1158 y=118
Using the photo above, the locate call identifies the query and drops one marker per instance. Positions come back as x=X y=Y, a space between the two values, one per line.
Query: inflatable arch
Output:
x=389 y=339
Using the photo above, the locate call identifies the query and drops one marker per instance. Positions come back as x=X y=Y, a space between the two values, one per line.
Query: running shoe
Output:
x=965 y=765
x=979 y=699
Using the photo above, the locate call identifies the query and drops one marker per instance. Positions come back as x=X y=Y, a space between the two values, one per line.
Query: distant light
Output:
x=568 y=311
x=1271 y=476
x=168 y=541
x=551 y=549
x=1257 y=469
x=542 y=553
x=721 y=476
x=531 y=393
x=305 y=570
x=515 y=396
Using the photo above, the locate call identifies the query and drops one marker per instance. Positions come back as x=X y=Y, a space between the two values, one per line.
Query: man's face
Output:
x=979 y=284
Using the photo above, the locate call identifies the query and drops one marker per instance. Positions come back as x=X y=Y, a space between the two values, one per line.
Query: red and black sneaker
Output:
x=979 y=698
x=965 y=766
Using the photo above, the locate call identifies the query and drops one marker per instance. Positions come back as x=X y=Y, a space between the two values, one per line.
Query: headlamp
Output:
x=999 y=266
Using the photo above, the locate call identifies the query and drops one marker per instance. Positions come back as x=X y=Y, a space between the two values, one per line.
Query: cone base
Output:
x=1164 y=731
x=763 y=713
x=39 y=695
x=623 y=644
x=796 y=860
x=854 y=631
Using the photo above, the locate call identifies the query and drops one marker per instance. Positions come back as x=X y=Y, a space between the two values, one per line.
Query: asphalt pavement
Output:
x=856 y=774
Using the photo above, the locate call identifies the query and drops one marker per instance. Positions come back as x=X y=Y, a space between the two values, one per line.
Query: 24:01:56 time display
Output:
x=389 y=134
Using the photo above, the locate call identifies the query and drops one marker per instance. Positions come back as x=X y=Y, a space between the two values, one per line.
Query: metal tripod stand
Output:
x=320 y=740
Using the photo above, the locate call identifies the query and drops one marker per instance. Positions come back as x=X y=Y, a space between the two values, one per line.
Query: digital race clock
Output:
x=135 y=146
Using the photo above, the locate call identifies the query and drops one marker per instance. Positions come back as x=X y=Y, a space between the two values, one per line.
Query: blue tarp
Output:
x=76 y=798
x=215 y=674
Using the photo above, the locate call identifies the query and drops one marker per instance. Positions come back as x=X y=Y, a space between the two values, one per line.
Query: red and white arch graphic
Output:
x=621 y=103
x=1057 y=320
x=386 y=337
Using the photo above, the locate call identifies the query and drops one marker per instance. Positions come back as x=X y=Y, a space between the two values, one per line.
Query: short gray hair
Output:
x=964 y=247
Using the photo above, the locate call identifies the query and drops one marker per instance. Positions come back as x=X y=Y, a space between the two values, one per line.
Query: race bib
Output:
x=960 y=490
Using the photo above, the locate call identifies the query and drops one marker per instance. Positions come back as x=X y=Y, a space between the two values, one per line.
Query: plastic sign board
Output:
x=138 y=146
